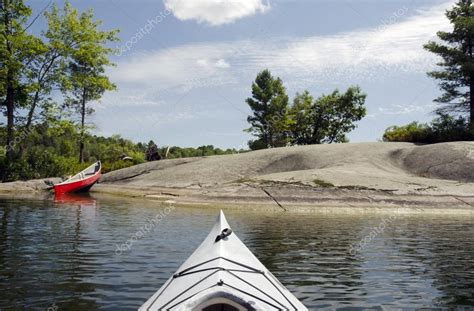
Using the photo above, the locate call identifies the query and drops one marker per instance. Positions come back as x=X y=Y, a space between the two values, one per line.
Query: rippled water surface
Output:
x=66 y=255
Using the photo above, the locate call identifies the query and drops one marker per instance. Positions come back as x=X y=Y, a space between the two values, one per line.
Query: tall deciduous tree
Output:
x=302 y=113
x=456 y=75
x=269 y=103
x=328 y=118
x=46 y=71
x=343 y=111
x=17 y=51
x=86 y=80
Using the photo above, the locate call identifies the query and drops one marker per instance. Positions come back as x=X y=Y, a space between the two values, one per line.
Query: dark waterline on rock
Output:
x=114 y=254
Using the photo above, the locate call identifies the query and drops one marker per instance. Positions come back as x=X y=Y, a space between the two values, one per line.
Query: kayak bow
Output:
x=222 y=274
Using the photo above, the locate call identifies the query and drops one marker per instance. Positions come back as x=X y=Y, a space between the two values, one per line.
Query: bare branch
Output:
x=38 y=15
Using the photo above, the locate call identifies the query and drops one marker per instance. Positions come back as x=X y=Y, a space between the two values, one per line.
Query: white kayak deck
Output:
x=223 y=272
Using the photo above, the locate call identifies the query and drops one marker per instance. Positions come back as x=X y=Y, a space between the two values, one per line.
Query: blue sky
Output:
x=186 y=66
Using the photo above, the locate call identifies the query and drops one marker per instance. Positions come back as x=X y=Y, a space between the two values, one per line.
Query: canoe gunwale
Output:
x=85 y=177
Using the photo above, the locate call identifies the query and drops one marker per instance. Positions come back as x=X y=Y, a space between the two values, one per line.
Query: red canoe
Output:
x=82 y=181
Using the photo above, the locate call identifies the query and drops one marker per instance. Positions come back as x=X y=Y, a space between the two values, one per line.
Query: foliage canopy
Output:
x=326 y=119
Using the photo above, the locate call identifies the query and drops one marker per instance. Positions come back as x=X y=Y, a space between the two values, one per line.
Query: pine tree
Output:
x=456 y=74
x=270 y=119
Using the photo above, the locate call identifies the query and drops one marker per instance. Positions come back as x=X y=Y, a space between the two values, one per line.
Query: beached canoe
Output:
x=82 y=181
x=222 y=274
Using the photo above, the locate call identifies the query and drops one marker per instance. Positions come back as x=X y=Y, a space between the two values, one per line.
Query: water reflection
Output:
x=75 y=199
x=62 y=251
x=449 y=257
x=42 y=259
x=312 y=254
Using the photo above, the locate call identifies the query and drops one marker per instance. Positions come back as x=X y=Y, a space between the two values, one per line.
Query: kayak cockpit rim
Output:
x=223 y=304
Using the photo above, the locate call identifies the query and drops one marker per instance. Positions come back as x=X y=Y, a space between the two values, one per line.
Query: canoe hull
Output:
x=77 y=186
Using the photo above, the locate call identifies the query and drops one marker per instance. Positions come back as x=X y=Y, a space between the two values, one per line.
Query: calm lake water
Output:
x=55 y=254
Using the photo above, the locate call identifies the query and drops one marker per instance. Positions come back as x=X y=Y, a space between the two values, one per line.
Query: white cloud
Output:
x=215 y=12
x=406 y=109
x=125 y=97
x=389 y=47
x=221 y=63
x=339 y=58
x=202 y=62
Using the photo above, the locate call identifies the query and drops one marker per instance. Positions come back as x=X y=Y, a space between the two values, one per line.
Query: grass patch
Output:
x=322 y=183
x=244 y=180
x=356 y=188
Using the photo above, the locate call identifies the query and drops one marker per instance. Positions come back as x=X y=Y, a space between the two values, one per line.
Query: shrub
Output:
x=413 y=132
x=444 y=128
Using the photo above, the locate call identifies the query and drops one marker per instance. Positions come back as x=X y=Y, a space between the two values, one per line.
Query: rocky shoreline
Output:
x=294 y=198
x=323 y=177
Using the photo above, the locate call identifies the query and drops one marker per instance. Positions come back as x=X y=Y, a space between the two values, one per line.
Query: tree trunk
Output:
x=265 y=137
x=29 y=121
x=10 y=88
x=10 y=100
x=471 y=84
x=31 y=113
x=471 y=76
x=266 y=126
x=471 y=101
x=83 y=117
x=42 y=75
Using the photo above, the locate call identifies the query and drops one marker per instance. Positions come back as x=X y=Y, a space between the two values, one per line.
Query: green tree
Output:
x=46 y=71
x=152 y=153
x=345 y=109
x=17 y=50
x=456 y=74
x=328 y=118
x=302 y=113
x=89 y=56
x=320 y=116
x=270 y=119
